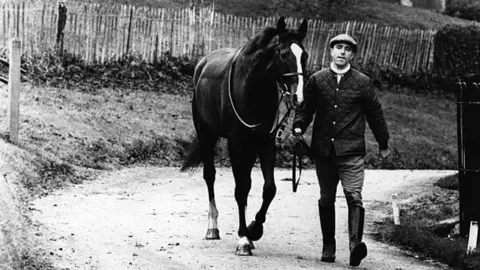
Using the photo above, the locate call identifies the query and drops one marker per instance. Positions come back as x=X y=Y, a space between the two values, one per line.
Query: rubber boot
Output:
x=358 y=249
x=327 y=223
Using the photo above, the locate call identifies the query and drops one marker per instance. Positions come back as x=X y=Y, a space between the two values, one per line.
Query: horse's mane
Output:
x=266 y=38
x=261 y=40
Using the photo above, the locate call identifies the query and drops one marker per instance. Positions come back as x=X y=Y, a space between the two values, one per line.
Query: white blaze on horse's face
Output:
x=297 y=51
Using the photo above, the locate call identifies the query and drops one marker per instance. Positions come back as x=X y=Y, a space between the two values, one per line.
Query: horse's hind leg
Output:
x=266 y=154
x=209 y=176
x=207 y=144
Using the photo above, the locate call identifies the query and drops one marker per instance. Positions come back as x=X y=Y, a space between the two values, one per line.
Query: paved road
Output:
x=156 y=218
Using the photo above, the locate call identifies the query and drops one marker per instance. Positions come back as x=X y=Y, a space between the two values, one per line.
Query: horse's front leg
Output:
x=266 y=153
x=242 y=158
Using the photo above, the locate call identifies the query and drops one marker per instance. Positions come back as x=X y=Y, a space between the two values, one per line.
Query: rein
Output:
x=300 y=150
x=230 y=94
x=280 y=127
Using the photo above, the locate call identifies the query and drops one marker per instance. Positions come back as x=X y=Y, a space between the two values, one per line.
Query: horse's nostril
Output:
x=295 y=98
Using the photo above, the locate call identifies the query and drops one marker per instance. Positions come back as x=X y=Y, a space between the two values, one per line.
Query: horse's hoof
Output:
x=244 y=250
x=212 y=234
x=255 y=231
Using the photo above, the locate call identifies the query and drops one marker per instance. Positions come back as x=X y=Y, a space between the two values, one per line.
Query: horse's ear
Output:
x=281 y=25
x=303 y=28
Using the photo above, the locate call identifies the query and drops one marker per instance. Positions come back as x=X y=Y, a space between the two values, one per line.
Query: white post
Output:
x=472 y=237
x=396 y=210
x=14 y=89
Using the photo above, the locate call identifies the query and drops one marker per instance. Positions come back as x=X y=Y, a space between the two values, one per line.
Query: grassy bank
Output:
x=382 y=12
x=18 y=249
x=110 y=128
x=420 y=230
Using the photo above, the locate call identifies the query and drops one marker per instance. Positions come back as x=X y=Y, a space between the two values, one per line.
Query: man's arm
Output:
x=375 y=117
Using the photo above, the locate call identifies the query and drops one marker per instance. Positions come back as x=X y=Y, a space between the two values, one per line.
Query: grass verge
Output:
x=419 y=229
x=18 y=249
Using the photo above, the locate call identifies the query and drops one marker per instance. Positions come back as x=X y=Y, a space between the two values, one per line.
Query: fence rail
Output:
x=100 y=33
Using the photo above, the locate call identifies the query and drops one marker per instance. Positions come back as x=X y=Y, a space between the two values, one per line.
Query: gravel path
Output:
x=156 y=218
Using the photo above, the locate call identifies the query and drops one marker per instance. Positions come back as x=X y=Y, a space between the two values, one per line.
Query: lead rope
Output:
x=300 y=149
x=230 y=94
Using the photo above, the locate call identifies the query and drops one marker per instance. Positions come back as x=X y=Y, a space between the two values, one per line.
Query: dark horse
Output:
x=237 y=96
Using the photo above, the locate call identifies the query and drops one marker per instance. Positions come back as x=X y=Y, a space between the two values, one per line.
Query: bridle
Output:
x=285 y=96
x=283 y=93
x=300 y=149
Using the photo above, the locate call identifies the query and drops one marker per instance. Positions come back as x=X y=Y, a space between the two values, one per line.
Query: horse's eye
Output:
x=304 y=56
x=284 y=55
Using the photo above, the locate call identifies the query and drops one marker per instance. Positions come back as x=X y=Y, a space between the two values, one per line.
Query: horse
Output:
x=237 y=93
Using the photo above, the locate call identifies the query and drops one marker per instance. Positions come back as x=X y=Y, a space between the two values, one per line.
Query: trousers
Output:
x=349 y=170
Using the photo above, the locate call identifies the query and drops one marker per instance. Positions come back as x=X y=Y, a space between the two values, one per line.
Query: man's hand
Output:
x=297 y=132
x=385 y=153
x=295 y=135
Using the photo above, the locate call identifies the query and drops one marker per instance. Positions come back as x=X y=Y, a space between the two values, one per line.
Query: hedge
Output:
x=465 y=9
x=456 y=52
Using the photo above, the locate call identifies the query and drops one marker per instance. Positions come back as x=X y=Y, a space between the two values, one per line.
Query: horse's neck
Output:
x=257 y=80
x=258 y=94
x=257 y=77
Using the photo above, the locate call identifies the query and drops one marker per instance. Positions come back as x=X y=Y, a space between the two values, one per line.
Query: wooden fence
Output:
x=100 y=33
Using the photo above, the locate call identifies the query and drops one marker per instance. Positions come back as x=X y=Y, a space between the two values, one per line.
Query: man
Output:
x=343 y=100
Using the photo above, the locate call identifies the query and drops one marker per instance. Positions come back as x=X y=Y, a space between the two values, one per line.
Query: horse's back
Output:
x=210 y=81
x=214 y=66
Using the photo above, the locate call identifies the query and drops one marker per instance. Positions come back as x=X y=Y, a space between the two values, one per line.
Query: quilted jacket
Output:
x=341 y=111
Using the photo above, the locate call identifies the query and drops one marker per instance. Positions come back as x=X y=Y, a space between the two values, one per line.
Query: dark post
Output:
x=155 y=52
x=468 y=129
x=129 y=31
x=62 y=20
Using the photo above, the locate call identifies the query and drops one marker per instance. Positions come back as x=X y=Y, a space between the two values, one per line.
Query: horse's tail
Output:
x=194 y=157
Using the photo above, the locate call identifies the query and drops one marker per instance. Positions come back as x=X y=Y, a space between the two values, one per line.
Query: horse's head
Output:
x=290 y=59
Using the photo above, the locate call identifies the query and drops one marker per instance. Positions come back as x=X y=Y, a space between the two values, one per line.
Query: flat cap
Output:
x=346 y=39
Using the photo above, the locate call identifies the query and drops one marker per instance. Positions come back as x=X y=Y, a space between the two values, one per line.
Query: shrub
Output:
x=392 y=78
x=448 y=182
x=130 y=72
x=456 y=52
x=428 y=4
x=465 y=9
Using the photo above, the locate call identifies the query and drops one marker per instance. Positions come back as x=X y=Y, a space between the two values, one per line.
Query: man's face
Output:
x=342 y=54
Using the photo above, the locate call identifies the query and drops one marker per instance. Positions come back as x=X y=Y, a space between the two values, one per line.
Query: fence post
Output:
x=129 y=30
x=472 y=237
x=14 y=90
x=396 y=210
x=62 y=20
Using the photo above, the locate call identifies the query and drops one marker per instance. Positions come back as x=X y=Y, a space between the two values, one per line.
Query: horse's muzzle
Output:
x=296 y=103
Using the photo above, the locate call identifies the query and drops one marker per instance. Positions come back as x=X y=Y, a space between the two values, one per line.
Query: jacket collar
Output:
x=345 y=76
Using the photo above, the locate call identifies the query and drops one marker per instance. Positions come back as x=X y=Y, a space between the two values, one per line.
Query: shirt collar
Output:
x=339 y=72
